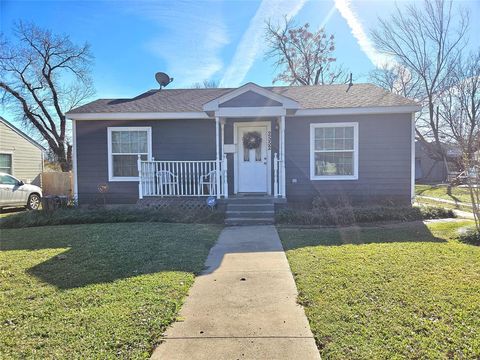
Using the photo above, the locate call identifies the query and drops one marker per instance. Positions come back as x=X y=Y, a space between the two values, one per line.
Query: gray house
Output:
x=20 y=155
x=290 y=143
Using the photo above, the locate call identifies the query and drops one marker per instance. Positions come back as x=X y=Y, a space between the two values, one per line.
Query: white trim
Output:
x=148 y=129
x=138 y=116
x=283 y=177
x=74 y=160
x=241 y=111
x=236 y=125
x=287 y=102
x=251 y=111
x=358 y=110
x=355 y=151
x=217 y=156
x=412 y=167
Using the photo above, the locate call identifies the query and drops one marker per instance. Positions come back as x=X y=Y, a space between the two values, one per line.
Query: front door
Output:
x=252 y=159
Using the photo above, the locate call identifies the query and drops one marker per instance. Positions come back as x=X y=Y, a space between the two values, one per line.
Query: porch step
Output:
x=250 y=211
x=250 y=207
x=249 y=221
x=250 y=200
x=235 y=213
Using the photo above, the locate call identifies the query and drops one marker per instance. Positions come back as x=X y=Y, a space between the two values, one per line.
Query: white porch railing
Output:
x=182 y=178
x=277 y=186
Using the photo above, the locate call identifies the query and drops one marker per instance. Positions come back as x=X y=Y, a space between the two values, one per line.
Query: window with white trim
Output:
x=124 y=146
x=6 y=163
x=334 y=151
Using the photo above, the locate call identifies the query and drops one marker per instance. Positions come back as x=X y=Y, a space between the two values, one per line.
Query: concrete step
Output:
x=231 y=213
x=250 y=200
x=250 y=207
x=249 y=221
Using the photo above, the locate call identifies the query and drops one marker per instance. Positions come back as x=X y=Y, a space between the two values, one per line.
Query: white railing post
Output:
x=140 y=187
x=217 y=159
x=282 y=157
x=275 y=175
x=225 y=177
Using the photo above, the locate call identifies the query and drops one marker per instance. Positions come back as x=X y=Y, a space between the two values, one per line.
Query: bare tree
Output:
x=206 y=84
x=460 y=111
x=473 y=182
x=43 y=76
x=426 y=41
x=459 y=107
x=303 y=57
x=396 y=79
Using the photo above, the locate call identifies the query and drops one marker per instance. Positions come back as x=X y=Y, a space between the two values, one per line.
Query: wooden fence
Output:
x=57 y=183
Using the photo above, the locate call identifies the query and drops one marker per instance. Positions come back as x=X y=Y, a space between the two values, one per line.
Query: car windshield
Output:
x=8 y=180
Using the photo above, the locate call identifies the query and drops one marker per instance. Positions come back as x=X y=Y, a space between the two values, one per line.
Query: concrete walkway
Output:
x=243 y=306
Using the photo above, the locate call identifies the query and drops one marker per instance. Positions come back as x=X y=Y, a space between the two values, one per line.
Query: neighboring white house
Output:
x=20 y=155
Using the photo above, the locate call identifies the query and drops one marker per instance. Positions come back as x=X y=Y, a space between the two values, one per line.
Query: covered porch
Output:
x=236 y=169
x=249 y=151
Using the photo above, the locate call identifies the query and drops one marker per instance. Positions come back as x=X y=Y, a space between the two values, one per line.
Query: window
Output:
x=124 y=146
x=8 y=180
x=6 y=163
x=334 y=151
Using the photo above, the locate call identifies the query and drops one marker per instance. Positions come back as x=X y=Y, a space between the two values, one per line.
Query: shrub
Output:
x=471 y=237
x=353 y=215
x=101 y=215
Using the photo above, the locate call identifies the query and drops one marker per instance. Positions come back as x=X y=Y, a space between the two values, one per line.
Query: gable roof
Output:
x=266 y=93
x=21 y=133
x=193 y=100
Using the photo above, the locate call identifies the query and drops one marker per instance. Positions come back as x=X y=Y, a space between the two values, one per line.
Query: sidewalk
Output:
x=459 y=213
x=243 y=306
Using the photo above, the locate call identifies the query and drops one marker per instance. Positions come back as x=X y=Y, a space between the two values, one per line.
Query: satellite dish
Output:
x=163 y=79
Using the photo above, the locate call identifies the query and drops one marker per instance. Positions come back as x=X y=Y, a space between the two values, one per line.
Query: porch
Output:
x=237 y=170
x=249 y=138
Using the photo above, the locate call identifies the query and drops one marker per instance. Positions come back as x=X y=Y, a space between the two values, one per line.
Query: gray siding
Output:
x=429 y=170
x=384 y=156
x=171 y=140
x=384 y=160
x=27 y=162
x=250 y=99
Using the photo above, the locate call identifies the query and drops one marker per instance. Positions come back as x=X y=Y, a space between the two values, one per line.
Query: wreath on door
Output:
x=252 y=140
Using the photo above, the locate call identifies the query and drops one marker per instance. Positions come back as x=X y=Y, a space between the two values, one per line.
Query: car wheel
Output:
x=33 y=202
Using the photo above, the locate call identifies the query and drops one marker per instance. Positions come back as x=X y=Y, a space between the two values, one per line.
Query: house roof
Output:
x=21 y=133
x=192 y=100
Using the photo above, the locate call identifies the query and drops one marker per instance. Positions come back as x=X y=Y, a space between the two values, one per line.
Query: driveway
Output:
x=243 y=306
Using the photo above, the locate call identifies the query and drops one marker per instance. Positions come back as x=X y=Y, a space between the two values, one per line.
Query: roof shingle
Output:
x=192 y=100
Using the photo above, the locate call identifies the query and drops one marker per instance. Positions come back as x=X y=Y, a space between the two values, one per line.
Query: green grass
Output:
x=9 y=212
x=407 y=291
x=458 y=194
x=95 y=291
x=430 y=203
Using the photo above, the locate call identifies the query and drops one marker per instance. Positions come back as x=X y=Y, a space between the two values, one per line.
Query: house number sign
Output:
x=269 y=140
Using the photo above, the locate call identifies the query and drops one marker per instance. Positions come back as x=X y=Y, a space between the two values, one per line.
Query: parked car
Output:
x=15 y=193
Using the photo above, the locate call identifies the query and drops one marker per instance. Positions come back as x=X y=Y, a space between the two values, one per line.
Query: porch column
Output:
x=223 y=160
x=217 y=159
x=282 y=156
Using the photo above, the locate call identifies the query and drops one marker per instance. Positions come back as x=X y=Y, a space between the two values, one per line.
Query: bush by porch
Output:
x=344 y=215
x=69 y=216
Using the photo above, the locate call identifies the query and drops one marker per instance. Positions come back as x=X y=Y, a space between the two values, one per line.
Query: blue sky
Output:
x=197 y=40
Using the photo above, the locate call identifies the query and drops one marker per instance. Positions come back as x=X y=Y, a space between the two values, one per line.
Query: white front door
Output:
x=252 y=159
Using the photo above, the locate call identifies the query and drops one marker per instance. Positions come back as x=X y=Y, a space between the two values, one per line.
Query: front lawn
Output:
x=445 y=192
x=402 y=291
x=97 y=290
